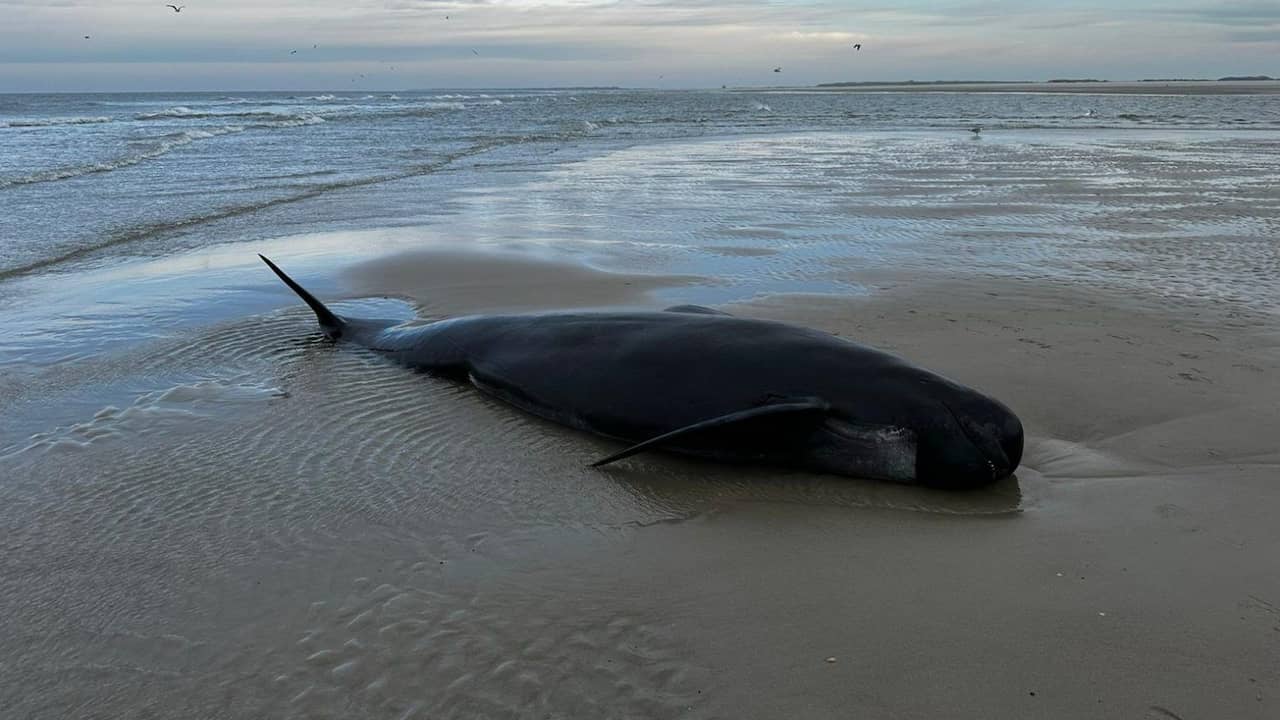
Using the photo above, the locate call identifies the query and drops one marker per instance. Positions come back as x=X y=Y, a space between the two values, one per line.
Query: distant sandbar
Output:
x=1128 y=87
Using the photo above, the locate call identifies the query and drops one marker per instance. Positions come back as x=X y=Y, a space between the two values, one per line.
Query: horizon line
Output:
x=1256 y=78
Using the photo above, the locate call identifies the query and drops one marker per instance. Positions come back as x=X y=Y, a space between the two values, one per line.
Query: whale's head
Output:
x=915 y=427
x=965 y=438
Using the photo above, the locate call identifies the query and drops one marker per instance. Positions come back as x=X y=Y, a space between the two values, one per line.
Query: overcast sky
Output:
x=245 y=44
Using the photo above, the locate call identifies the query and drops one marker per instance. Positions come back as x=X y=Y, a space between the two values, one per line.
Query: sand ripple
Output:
x=388 y=650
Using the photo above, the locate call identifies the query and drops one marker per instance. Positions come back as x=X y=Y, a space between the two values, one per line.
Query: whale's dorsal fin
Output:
x=801 y=405
x=696 y=310
x=329 y=322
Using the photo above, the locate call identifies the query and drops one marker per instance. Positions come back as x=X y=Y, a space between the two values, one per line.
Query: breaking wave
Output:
x=160 y=146
x=51 y=122
x=182 y=112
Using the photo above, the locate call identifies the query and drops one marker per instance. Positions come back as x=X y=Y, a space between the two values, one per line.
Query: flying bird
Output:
x=778 y=69
x=976 y=129
x=86 y=37
x=857 y=46
x=293 y=52
x=176 y=8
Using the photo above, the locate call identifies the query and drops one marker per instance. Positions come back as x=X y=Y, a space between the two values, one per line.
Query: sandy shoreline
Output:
x=1252 y=87
x=353 y=538
x=208 y=511
x=453 y=281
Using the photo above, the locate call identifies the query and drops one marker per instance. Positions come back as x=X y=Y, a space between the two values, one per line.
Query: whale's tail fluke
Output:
x=329 y=322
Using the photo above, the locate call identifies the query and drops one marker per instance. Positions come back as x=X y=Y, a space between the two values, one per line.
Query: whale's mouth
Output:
x=1012 y=446
x=1000 y=447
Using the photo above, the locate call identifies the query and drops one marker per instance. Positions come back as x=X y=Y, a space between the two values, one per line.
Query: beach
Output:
x=210 y=511
x=1086 y=87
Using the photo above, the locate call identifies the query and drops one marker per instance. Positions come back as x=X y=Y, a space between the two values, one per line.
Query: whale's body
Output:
x=704 y=383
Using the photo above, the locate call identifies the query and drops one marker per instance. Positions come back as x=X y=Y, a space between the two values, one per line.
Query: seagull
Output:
x=975 y=129
x=86 y=37
x=778 y=69
x=293 y=52
x=857 y=46
x=176 y=8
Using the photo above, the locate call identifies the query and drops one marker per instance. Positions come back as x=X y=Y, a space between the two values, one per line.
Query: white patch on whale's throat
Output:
x=871 y=451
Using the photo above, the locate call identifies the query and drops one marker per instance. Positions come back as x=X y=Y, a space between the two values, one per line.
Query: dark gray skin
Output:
x=700 y=382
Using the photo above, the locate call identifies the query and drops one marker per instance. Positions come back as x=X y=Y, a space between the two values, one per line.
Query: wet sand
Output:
x=208 y=511
x=449 y=281
x=310 y=532
x=1139 y=585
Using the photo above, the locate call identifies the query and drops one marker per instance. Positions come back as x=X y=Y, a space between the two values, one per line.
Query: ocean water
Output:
x=1171 y=195
x=95 y=177
x=205 y=511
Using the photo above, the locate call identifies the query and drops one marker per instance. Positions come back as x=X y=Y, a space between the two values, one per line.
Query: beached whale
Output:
x=700 y=382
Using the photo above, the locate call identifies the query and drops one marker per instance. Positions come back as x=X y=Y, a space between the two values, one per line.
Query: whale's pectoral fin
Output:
x=696 y=310
x=804 y=405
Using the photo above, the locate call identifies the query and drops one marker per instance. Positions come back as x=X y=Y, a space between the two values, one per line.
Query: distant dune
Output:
x=882 y=83
x=1242 y=85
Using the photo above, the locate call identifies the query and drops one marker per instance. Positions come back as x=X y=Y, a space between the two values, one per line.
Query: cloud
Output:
x=690 y=42
x=1266 y=35
x=1231 y=13
x=1226 y=20
x=827 y=37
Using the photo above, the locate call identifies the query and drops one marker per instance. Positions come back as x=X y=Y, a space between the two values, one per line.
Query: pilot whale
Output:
x=700 y=382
